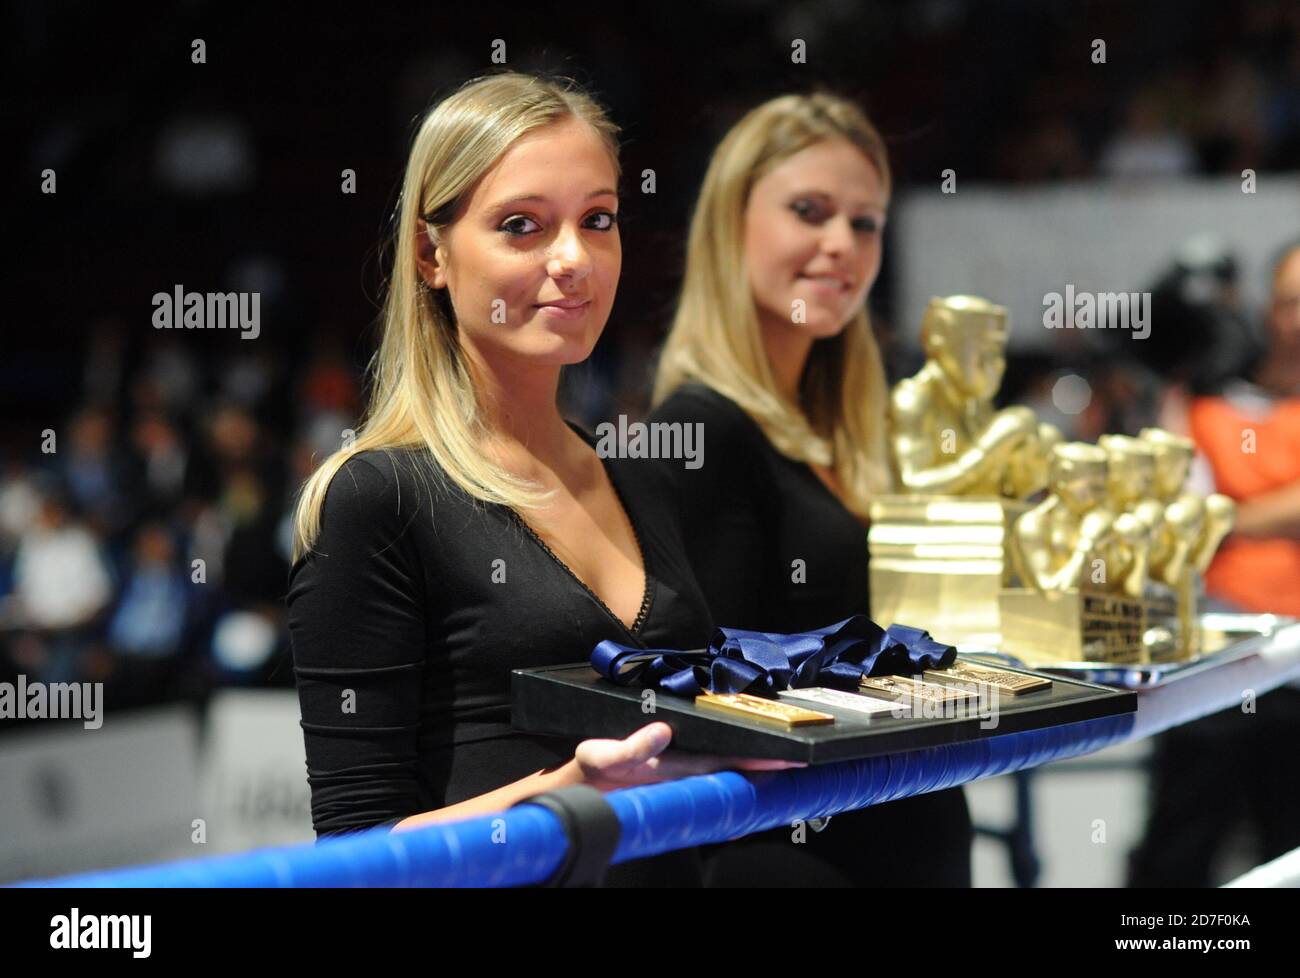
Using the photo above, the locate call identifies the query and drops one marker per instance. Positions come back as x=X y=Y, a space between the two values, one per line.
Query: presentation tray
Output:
x=574 y=701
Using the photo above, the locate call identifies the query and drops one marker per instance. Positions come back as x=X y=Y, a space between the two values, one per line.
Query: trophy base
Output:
x=940 y=562
x=1078 y=626
x=1173 y=612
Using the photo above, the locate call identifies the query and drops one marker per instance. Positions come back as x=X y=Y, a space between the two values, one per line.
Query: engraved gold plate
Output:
x=1010 y=682
x=906 y=688
x=761 y=710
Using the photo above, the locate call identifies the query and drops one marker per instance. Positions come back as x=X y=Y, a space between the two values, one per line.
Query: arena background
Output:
x=139 y=170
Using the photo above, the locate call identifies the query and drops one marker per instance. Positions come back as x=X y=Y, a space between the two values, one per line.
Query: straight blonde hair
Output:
x=422 y=393
x=715 y=339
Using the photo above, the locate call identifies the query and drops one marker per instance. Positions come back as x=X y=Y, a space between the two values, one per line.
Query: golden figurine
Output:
x=939 y=550
x=1062 y=611
x=1058 y=541
x=946 y=436
x=1193 y=528
x=1199 y=523
x=1139 y=515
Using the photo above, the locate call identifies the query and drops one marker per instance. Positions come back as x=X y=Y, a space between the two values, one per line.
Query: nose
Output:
x=568 y=258
x=837 y=235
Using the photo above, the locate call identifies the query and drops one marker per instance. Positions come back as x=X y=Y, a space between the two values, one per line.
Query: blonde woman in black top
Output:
x=469 y=530
x=771 y=350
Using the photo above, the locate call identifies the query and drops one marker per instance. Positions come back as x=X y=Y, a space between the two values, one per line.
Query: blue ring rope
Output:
x=525 y=845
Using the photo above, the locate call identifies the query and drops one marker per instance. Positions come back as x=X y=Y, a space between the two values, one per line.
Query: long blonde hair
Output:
x=422 y=393
x=715 y=335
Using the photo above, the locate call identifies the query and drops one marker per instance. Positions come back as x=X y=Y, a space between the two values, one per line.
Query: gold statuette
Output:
x=904 y=687
x=1008 y=682
x=947 y=437
x=964 y=471
x=856 y=702
x=1055 y=544
x=761 y=710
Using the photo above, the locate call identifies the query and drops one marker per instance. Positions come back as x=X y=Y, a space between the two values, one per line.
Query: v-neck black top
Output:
x=409 y=615
x=751 y=515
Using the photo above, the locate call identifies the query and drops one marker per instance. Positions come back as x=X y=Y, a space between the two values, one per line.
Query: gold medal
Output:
x=761 y=710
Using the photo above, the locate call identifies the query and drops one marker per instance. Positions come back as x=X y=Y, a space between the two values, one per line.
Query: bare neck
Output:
x=787 y=349
x=526 y=433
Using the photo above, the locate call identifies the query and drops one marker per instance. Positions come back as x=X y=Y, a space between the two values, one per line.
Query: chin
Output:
x=825 y=327
x=561 y=350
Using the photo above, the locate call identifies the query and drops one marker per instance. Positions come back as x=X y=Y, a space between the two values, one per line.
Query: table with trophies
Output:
x=1055 y=580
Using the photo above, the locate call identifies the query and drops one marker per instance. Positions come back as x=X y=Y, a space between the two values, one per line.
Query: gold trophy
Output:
x=1066 y=608
x=939 y=552
x=1105 y=568
x=1193 y=527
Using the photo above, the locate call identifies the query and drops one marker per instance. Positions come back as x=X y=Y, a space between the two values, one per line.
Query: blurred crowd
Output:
x=145 y=539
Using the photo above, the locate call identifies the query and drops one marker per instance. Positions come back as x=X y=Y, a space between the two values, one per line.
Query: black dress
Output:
x=774 y=550
x=409 y=615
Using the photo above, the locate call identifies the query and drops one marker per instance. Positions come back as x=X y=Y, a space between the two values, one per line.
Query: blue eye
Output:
x=511 y=225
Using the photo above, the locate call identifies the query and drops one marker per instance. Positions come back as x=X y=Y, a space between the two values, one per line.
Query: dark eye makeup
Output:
x=519 y=225
x=815 y=212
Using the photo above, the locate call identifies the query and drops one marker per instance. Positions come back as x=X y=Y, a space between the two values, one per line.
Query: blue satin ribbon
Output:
x=739 y=661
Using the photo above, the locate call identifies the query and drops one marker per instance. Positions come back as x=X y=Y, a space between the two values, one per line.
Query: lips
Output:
x=565 y=310
x=835 y=282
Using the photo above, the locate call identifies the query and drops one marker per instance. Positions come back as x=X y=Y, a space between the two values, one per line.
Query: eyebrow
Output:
x=541 y=198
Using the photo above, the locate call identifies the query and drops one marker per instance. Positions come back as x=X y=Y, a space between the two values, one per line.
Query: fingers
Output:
x=676 y=764
x=766 y=764
x=648 y=742
x=615 y=756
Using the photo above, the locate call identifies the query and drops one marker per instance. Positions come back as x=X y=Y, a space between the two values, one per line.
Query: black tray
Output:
x=575 y=701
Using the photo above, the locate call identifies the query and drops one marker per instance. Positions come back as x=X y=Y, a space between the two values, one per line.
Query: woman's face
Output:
x=813 y=233
x=533 y=259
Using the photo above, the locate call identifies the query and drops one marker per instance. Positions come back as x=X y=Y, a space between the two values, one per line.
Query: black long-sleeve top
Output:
x=775 y=550
x=772 y=547
x=411 y=611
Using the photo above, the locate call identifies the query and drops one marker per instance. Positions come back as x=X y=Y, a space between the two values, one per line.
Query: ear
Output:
x=430 y=258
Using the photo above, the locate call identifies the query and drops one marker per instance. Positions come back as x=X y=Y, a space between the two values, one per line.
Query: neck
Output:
x=787 y=349
x=518 y=403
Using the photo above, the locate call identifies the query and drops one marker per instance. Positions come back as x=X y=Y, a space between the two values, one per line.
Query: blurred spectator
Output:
x=150 y=619
x=1147 y=146
x=20 y=505
x=96 y=472
x=62 y=584
x=1251 y=437
x=163 y=458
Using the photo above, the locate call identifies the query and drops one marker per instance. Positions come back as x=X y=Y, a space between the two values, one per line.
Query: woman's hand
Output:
x=641 y=759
